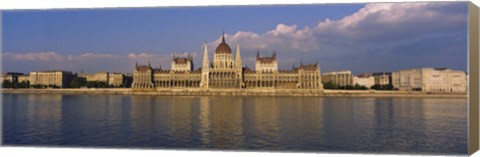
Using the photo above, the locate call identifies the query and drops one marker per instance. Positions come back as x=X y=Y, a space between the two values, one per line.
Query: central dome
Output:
x=223 y=48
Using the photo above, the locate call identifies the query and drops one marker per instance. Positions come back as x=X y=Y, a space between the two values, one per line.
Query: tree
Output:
x=97 y=84
x=24 y=84
x=7 y=84
x=417 y=89
x=330 y=85
x=78 y=82
x=382 y=87
x=359 y=87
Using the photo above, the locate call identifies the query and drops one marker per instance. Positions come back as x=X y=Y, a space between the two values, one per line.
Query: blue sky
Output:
x=358 y=37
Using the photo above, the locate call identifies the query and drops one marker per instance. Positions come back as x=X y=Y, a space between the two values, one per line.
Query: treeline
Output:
x=9 y=84
x=75 y=83
x=331 y=85
x=80 y=82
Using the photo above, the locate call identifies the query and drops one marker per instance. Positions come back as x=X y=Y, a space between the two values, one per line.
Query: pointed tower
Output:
x=258 y=54
x=238 y=67
x=238 y=58
x=205 y=68
x=274 y=55
x=223 y=37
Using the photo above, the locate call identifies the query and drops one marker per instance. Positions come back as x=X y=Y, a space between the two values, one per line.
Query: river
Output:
x=319 y=124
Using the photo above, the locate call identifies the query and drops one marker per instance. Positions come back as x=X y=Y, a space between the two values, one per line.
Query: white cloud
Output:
x=94 y=61
x=374 y=23
x=140 y=55
x=38 y=56
x=90 y=56
x=395 y=21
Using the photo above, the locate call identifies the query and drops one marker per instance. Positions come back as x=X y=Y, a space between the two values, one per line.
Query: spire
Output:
x=205 y=67
x=136 y=64
x=238 y=58
x=205 y=57
x=173 y=57
x=223 y=37
x=258 y=54
x=274 y=53
x=149 y=64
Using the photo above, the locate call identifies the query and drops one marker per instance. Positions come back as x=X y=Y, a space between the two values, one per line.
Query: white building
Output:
x=182 y=64
x=382 y=78
x=341 y=78
x=266 y=64
x=430 y=79
x=366 y=80
x=51 y=78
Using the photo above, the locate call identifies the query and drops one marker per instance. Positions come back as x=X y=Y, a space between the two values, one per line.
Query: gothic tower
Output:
x=205 y=68
x=238 y=66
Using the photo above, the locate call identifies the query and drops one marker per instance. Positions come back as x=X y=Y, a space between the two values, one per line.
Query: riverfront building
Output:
x=23 y=78
x=430 y=80
x=112 y=79
x=51 y=78
x=11 y=77
x=382 y=78
x=366 y=80
x=341 y=78
x=226 y=72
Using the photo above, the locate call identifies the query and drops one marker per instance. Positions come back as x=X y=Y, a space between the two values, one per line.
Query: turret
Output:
x=238 y=58
x=274 y=55
x=205 y=57
x=205 y=68
x=258 y=54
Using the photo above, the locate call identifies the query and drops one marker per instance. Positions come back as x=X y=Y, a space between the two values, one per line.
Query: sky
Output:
x=372 y=37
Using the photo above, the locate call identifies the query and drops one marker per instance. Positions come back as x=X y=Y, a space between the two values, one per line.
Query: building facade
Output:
x=112 y=79
x=51 y=78
x=341 y=78
x=430 y=80
x=116 y=79
x=226 y=72
x=366 y=80
x=11 y=77
x=382 y=78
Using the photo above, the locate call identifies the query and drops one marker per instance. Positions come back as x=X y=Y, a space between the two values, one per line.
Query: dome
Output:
x=223 y=47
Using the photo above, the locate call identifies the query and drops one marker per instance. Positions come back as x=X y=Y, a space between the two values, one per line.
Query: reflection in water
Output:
x=227 y=122
x=204 y=120
x=227 y=128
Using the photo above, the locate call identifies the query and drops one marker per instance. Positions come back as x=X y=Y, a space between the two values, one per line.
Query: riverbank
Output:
x=240 y=92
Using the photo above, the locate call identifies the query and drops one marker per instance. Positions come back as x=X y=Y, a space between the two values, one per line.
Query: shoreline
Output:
x=240 y=92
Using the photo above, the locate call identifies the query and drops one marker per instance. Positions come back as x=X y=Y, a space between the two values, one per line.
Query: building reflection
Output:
x=141 y=118
x=265 y=121
x=302 y=119
x=44 y=112
x=181 y=120
x=227 y=122
x=338 y=120
x=204 y=120
x=399 y=125
x=445 y=120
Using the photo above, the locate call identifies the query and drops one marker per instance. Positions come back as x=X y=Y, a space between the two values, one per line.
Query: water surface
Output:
x=333 y=124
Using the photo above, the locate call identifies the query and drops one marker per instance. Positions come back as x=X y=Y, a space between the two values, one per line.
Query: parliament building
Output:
x=227 y=72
